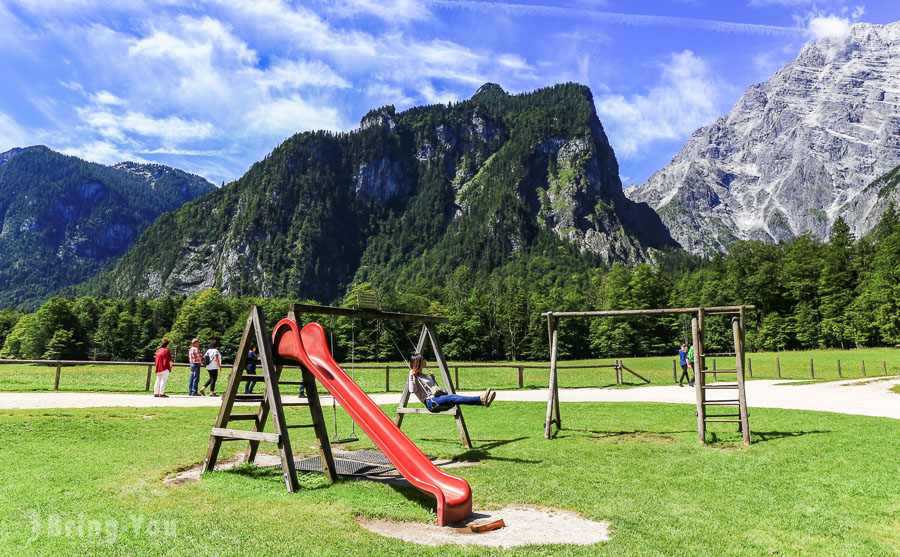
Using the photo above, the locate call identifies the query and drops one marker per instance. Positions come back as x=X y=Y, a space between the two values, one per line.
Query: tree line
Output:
x=840 y=293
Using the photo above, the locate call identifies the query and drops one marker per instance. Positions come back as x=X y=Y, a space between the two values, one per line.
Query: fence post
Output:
x=674 y=371
x=750 y=366
x=521 y=377
x=387 y=379
x=839 y=369
x=149 y=372
x=56 y=381
x=715 y=375
x=778 y=365
x=812 y=371
x=863 y=367
x=618 y=372
x=884 y=366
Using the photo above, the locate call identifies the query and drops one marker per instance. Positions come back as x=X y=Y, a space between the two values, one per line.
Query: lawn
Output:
x=812 y=483
x=794 y=365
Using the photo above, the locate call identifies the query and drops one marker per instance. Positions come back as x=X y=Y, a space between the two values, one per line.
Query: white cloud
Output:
x=104 y=152
x=12 y=134
x=687 y=97
x=171 y=129
x=393 y=11
x=828 y=26
x=105 y=97
x=286 y=116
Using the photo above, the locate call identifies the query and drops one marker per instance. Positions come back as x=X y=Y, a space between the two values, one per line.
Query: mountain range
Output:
x=63 y=220
x=478 y=183
x=795 y=153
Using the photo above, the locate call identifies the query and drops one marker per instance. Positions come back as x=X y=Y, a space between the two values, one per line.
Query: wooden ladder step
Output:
x=249 y=397
x=233 y=434
x=294 y=404
x=290 y=382
x=299 y=426
x=722 y=386
x=722 y=403
x=722 y=421
x=238 y=417
x=252 y=378
x=719 y=371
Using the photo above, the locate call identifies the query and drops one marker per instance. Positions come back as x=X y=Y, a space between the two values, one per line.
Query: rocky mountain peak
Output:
x=9 y=154
x=379 y=116
x=794 y=153
x=490 y=87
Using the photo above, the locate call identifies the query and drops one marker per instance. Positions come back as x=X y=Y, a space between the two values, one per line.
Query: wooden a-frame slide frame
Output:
x=270 y=401
x=700 y=371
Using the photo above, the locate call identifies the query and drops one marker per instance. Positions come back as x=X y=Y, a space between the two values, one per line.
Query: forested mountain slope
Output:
x=62 y=219
x=479 y=184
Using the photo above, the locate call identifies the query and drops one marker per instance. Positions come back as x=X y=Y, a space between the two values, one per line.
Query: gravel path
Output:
x=865 y=397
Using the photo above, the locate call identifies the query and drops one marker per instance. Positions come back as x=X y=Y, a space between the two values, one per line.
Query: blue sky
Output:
x=212 y=87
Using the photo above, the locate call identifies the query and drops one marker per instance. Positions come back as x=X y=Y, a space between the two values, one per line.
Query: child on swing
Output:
x=435 y=398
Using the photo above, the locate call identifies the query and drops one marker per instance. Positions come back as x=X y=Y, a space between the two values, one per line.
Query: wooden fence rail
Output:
x=520 y=369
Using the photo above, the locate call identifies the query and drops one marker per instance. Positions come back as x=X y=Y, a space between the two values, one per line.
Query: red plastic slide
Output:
x=454 y=497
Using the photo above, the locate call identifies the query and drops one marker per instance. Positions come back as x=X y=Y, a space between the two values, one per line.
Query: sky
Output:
x=211 y=87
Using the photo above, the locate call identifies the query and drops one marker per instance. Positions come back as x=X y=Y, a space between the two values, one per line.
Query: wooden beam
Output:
x=247 y=435
x=667 y=311
x=363 y=313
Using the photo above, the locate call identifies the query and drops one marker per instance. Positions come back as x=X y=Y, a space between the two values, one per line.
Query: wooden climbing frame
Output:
x=700 y=371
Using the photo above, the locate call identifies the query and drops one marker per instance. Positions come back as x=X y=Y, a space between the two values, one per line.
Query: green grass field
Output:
x=794 y=365
x=88 y=482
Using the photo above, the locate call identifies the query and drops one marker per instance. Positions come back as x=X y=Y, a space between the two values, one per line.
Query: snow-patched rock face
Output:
x=794 y=153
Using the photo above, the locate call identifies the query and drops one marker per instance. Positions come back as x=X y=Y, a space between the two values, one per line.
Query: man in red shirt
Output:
x=163 y=369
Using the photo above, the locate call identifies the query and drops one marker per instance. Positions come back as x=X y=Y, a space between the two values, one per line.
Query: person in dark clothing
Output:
x=251 y=369
x=683 y=357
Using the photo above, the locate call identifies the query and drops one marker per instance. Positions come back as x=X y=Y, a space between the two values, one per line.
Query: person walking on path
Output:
x=195 y=359
x=683 y=357
x=214 y=359
x=251 y=369
x=433 y=397
x=163 y=360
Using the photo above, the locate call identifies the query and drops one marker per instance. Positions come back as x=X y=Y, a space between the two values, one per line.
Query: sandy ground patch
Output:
x=525 y=525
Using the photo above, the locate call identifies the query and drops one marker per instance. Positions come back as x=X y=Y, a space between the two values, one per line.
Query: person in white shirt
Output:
x=213 y=367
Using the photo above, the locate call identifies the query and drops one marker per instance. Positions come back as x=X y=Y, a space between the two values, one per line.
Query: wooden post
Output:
x=553 y=392
x=56 y=381
x=387 y=379
x=884 y=366
x=778 y=366
x=674 y=371
x=699 y=380
x=839 y=368
x=812 y=371
x=618 y=372
x=715 y=375
x=750 y=366
x=521 y=376
x=863 y=367
x=739 y=360
x=456 y=376
x=149 y=375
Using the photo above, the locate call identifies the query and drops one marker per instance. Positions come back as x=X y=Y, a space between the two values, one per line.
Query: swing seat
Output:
x=342 y=441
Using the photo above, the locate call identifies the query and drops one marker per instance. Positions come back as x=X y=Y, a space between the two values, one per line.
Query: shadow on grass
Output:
x=481 y=452
x=307 y=480
x=763 y=436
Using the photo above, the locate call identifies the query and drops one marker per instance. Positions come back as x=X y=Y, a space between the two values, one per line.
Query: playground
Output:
x=387 y=475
